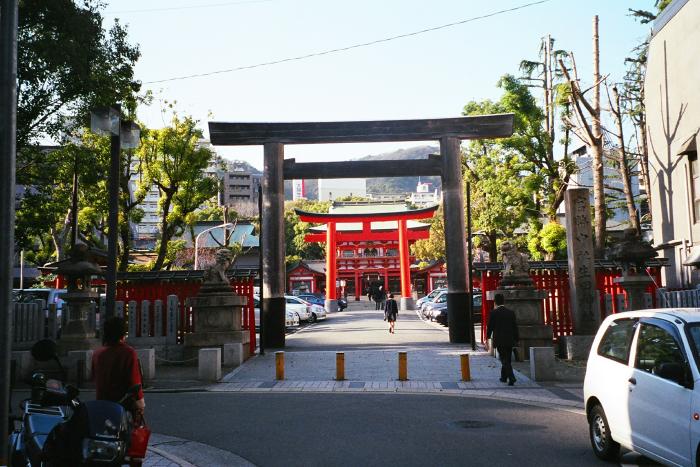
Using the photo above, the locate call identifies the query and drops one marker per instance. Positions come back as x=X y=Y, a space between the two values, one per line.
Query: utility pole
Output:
x=8 y=151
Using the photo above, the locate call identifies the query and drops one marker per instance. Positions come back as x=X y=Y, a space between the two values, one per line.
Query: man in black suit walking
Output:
x=504 y=328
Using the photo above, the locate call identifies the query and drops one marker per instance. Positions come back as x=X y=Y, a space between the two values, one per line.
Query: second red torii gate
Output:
x=402 y=234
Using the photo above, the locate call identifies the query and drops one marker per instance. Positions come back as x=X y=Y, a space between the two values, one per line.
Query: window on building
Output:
x=695 y=184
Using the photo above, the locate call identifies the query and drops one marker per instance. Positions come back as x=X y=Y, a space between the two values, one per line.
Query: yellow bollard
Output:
x=403 y=367
x=466 y=371
x=340 y=366
x=279 y=365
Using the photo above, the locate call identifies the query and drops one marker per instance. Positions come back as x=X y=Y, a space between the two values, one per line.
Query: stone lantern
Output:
x=632 y=253
x=78 y=333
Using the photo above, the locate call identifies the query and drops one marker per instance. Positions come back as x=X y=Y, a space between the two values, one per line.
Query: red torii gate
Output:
x=402 y=234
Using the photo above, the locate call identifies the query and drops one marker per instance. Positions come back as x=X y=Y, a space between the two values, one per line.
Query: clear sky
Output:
x=429 y=75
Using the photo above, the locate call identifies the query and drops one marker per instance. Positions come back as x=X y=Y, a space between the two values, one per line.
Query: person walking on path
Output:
x=504 y=328
x=391 y=310
x=380 y=297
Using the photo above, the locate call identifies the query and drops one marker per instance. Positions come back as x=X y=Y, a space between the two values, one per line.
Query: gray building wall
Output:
x=673 y=116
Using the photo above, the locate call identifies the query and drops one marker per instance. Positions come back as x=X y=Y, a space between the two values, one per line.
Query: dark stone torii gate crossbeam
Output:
x=273 y=136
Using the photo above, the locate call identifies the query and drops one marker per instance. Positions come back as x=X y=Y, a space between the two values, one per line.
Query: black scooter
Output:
x=57 y=429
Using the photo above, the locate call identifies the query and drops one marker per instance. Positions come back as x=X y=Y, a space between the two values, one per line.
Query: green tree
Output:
x=66 y=65
x=432 y=248
x=530 y=142
x=295 y=230
x=502 y=185
x=547 y=243
x=175 y=163
x=43 y=214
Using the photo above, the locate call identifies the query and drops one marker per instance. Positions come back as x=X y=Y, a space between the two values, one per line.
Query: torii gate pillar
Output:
x=273 y=273
x=455 y=242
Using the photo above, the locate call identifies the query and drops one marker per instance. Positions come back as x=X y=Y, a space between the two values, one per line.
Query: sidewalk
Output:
x=169 y=451
x=371 y=363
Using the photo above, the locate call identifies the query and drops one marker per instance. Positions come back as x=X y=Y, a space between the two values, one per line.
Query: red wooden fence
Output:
x=152 y=290
x=555 y=306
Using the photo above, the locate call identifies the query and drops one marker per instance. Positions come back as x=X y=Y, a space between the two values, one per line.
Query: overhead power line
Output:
x=350 y=47
x=186 y=7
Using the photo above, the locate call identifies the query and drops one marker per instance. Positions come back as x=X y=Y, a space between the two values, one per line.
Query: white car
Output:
x=298 y=306
x=307 y=311
x=291 y=318
x=428 y=307
x=317 y=312
x=642 y=386
x=429 y=298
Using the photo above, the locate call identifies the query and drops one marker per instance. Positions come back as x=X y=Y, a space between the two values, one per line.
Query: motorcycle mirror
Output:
x=72 y=392
x=44 y=350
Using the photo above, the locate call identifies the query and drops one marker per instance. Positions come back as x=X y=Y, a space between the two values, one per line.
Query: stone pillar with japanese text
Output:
x=582 y=283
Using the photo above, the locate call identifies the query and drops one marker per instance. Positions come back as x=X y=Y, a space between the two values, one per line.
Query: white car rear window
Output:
x=616 y=341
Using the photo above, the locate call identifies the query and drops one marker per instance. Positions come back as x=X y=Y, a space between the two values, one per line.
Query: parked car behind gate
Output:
x=642 y=385
x=439 y=311
x=429 y=298
x=48 y=295
x=291 y=318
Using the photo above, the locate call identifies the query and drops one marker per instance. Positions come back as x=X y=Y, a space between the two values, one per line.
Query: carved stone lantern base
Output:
x=78 y=332
x=217 y=314
x=635 y=286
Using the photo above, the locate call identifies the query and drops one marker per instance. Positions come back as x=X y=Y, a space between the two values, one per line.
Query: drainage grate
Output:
x=473 y=424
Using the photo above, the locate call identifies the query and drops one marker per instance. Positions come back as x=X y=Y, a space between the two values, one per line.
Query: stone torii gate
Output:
x=273 y=136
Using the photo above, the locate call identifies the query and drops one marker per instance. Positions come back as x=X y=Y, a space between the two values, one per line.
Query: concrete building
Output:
x=673 y=121
x=424 y=196
x=329 y=190
x=240 y=184
x=619 y=218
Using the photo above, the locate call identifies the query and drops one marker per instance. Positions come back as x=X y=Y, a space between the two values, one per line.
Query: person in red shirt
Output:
x=115 y=366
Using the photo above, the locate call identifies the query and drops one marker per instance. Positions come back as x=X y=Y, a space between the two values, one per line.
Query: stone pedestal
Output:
x=78 y=333
x=635 y=286
x=526 y=303
x=407 y=303
x=331 y=305
x=218 y=315
x=575 y=347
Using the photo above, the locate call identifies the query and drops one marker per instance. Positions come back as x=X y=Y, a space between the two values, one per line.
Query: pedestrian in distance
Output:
x=377 y=297
x=504 y=328
x=391 y=311
x=381 y=298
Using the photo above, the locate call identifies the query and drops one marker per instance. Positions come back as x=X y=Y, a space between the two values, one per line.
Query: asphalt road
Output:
x=374 y=429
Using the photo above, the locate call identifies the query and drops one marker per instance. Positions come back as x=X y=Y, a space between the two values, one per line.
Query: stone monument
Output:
x=217 y=310
x=632 y=253
x=78 y=333
x=518 y=289
x=582 y=284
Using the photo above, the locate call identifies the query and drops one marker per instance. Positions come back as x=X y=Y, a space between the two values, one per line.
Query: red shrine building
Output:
x=367 y=243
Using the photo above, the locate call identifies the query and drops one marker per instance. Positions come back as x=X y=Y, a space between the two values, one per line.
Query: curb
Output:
x=171 y=457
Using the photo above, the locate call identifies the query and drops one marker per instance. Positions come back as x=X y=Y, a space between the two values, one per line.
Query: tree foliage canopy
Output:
x=174 y=162
x=66 y=65
x=295 y=230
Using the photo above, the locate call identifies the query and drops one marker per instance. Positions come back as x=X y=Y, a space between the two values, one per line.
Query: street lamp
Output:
x=123 y=134
x=196 y=240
